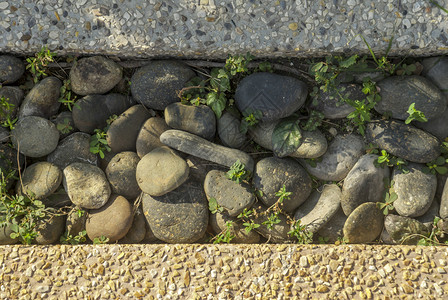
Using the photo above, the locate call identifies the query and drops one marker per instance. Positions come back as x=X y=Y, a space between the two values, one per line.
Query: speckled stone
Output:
x=11 y=68
x=40 y=180
x=400 y=228
x=120 y=173
x=42 y=100
x=148 y=138
x=364 y=224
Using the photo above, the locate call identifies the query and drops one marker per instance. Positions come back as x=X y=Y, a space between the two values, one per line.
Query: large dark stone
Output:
x=155 y=85
x=332 y=106
x=49 y=231
x=94 y=75
x=180 y=216
x=197 y=146
x=364 y=224
x=436 y=70
x=93 y=111
x=123 y=132
x=11 y=69
x=403 y=140
x=274 y=95
x=229 y=131
x=437 y=126
x=42 y=100
x=14 y=95
x=10 y=163
x=398 y=92
x=199 y=120
x=272 y=173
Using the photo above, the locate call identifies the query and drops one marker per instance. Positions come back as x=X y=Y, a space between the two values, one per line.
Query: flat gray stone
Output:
x=42 y=100
x=364 y=224
x=241 y=236
x=74 y=148
x=319 y=208
x=364 y=183
x=399 y=92
x=314 y=144
x=86 y=185
x=403 y=140
x=197 y=146
x=113 y=220
x=233 y=197
x=199 y=120
x=35 y=136
x=94 y=75
x=148 y=138
x=180 y=216
x=40 y=180
x=121 y=174
x=401 y=228
x=123 y=132
x=341 y=156
x=272 y=173
x=331 y=104
x=161 y=171
x=276 y=96
x=415 y=190
x=229 y=131
x=155 y=84
x=11 y=69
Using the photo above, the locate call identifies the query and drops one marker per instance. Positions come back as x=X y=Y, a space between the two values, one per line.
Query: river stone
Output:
x=314 y=144
x=275 y=96
x=113 y=220
x=428 y=218
x=341 y=156
x=399 y=228
x=40 y=180
x=199 y=120
x=161 y=171
x=241 y=236
x=180 y=216
x=364 y=183
x=123 y=132
x=437 y=126
x=149 y=235
x=229 y=131
x=332 y=231
x=398 y=92
x=137 y=232
x=65 y=121
x=332 y=106
x=364 y=224
x=4 y=135
x=58 y=199
x=197 y=146
x=403 y=140
x=435 y=69
x=86 y=185
x=35 y=136
x=278 y=233
x=444 y=201
x=415 y=190
x=76 y=222
x=272 y=173
x=14 y=95
x=94 y=75
x=5 y=234
x=49 y=231
x=233 y=197
x=10 y=162
x=42 y=100
x=319 y=208
x=92 y=111
x=199 y=167
x=11 y=69
x=121 y=174
x=148 y=138
x=155 y=85
x=74 y=148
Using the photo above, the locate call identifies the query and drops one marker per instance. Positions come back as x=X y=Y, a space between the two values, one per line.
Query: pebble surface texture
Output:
x=212 y=29
x=224 y=271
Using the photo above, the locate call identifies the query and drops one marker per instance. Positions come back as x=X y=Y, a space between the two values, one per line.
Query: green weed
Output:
x=38 y=64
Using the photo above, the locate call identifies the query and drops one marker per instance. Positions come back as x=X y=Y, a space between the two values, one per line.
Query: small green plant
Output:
x=389 y=196
x=323 y=239
x=389 y=160
x=67 y=238
x=249 y=223
x=272 y=220
x=383 y=63
x=372 y=149
x=214 y=207
x=238 y=172
x=98 y=143
x=250 y=119
x=300 y=232
x=435 y=236
x=6 y=113
x=342 y=240
x=226 y=235
x=38 y=64
x=415 y=114
x=110 y=120
x=65 y=127
x=436 y=166
x=66 y=97
x=100 y=240
x=286 y=137
x=407 y=69
x=314 y=121
x=238 y=64
x=282 y=194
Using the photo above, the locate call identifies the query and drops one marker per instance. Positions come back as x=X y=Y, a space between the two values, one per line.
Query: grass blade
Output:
x=439 y=6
